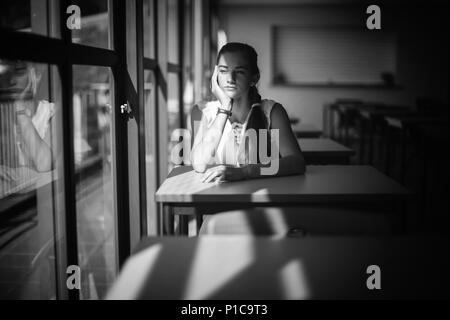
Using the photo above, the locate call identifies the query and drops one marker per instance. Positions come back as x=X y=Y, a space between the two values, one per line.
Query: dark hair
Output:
x=257 y=119
x=252 y=57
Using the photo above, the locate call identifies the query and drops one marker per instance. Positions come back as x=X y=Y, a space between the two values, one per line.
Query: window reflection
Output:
x=149 y=28
x=173 y=111
x=24 y=16
x=94 y=23
x=172 y=31
x=30 y=192
x=150 y=136
x=94 y=184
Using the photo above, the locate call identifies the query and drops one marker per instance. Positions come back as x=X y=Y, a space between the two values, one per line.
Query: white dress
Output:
x=228 y=149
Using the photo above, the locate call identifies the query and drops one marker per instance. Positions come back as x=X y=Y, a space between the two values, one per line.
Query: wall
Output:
x=422 y=52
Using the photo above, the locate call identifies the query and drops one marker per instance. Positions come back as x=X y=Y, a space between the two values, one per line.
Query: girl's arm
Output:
x=39 y=151
x=206 y=141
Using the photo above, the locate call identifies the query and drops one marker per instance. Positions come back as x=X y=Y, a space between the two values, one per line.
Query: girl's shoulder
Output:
x=267 y=106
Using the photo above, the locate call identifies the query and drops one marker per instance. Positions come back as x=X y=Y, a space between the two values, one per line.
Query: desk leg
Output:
x=184 y=224
x=168 y=220
x=371 y=139
x=387 y=154
x=362 y=133
x=381 y=146
x=403 y=156
x=346 y=125
x=199 y=222
x=159 y=220
x=331 y=124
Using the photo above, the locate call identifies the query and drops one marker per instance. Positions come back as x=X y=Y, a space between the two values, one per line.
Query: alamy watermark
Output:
x=74 y=20
x=374 y=280
x=74 y=277
x=373 y=22
x=246 y=152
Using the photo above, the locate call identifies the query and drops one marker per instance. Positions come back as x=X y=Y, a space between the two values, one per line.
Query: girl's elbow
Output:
x=302 y=169
x=300 y=165
x=43 y=165
x=198 y=166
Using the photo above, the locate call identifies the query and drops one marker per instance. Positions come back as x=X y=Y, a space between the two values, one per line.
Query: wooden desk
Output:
x=239 y=267
x=304 y=130
x=324 y=151
x=324 y=185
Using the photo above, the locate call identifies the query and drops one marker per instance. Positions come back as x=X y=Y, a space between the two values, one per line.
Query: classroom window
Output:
x=149 y=28
x=188 y=76
x=150 y=140
x=31 y=180
x=173 y=75
x=94 y=23
x=94 y=179
x=172 y=32
x=173 y=109
x=25 y=16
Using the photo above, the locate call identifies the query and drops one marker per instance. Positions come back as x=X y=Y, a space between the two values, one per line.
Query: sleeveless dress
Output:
x=228 y=149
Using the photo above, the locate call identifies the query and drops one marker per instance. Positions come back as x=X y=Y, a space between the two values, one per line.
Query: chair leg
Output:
x=199 y=222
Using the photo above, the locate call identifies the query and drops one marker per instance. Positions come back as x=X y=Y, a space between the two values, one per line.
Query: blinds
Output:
x=312 y=55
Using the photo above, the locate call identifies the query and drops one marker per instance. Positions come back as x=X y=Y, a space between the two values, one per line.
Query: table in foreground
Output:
x=243 y=267
x=331 y=185
x=324 y=151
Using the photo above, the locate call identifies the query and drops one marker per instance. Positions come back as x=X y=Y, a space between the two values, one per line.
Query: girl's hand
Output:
x=41 y=119
x=223 y=173
x=224 y=100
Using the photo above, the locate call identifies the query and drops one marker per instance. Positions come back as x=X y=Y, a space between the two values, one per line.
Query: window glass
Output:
x=94 y=27
x=31 y=184
x=92 y=114
x=24 y=16
x=150 y=139
x=172 y=31
x=173 y=110
x=149 y=29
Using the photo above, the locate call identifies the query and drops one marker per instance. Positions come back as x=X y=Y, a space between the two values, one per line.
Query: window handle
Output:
x=125 y=108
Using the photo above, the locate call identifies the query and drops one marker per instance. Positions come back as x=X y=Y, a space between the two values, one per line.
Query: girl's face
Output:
x=234 y=74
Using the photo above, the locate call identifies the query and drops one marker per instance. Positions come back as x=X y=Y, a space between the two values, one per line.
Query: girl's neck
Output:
x=241 y=108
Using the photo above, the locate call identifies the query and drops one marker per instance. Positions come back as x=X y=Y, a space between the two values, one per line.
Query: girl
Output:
x=238 y=109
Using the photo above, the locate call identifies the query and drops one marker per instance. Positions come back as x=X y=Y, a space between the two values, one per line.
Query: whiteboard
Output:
x=327 y=55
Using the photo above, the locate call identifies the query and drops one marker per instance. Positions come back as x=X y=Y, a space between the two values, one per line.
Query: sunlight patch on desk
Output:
x=256 y=195
x=138 y=267
x=200 y=284
x=293 y=281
